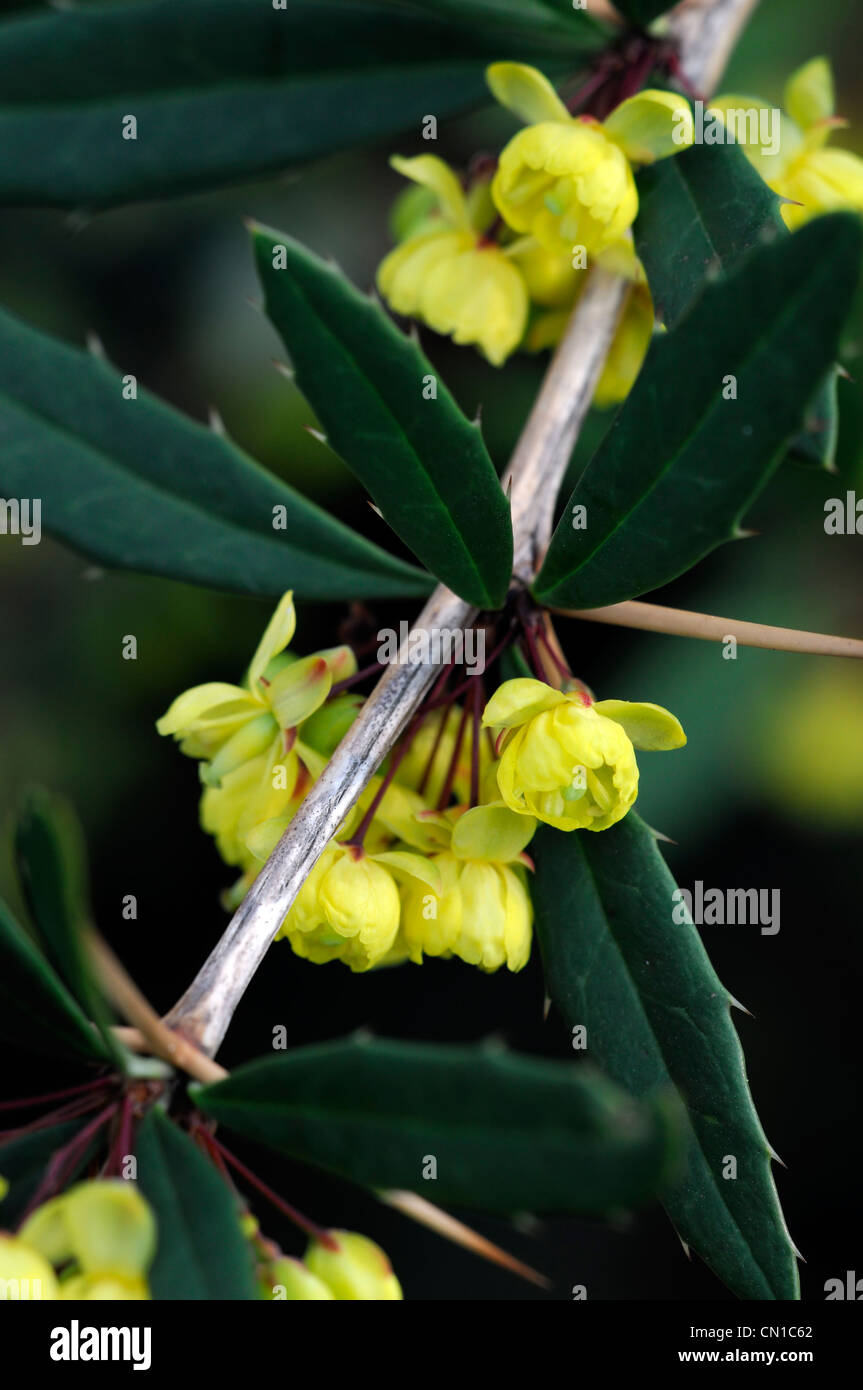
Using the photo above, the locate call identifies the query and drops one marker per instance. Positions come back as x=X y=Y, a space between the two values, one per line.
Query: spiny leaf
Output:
x=506 y=1133
x=707 y=420
x=619 y=964
x=133 y=483
x=424 y=464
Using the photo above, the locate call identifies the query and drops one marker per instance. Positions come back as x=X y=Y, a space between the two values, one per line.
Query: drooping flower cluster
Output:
x=432 y=859
x=349 y=1268
x=100 y=1236
x=800 y=168
x=501 y=264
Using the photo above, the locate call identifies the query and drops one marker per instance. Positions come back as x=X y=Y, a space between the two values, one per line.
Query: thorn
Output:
x=686 y=1250
x=95 y=346
x=414 y=333
x=316 y=434
x=660 y=835
x=477 y=419
x=740 y=534
x=776 y=1159
x=736 y=1004
x=250 y=224
x=420 y=1210
x=546 y=1008
x=217 y=424
x=376 y=509
x=843 y=372
x=362 y=1035
x=283 y=369
x=495 y=1042
x=507 y=492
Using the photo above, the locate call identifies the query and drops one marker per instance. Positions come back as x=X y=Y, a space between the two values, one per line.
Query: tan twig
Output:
x=677 y=622
x=427 y=1214
x=161 y=1040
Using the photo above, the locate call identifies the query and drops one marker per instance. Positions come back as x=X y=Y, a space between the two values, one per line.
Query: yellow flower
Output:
x=348 y=907
x=568 y=180
x=454 y=278
x=482 y=913
x=252 y=759
x=814 y=178
x=25 y=1275
x=570 y=761
x=298 y=1283
x=554 y=285
x=357 y=1270
x=103 y=1232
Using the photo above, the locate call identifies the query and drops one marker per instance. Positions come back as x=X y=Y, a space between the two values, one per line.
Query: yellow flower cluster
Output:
x=101 y=1233
x=415 y=870
x=355 y=1270
x=501 y=265
x=799 y=167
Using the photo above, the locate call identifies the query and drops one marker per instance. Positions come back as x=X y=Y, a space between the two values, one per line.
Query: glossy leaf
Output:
x=617 y=963
x=201 y=1252
x=698 y=215
x=509 y=1133
x=36 y=1010
x=137 y=485
x=52 y=865
x=224 y=90
x=424 y=464
x=707 y=421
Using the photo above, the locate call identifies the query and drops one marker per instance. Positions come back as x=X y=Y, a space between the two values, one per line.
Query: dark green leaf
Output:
x=655 y=1013
x=23 y=1162
x=36 y=1009
x=508 y=1133
x=816 y=443
x=425 y=465
x=224 y=90
x=698 y=214
x=135 y=484
x=681 y=463
x=52 y=864
x=202 y=1253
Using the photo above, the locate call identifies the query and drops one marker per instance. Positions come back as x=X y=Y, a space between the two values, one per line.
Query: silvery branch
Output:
x=705 y=32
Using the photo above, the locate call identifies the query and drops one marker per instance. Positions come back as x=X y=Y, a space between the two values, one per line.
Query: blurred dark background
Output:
x=768 y=793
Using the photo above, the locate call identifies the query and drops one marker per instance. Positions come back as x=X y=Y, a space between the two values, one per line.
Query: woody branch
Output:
x=705 y=32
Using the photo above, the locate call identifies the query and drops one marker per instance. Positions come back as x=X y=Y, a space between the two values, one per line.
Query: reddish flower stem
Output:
x=311 y=1229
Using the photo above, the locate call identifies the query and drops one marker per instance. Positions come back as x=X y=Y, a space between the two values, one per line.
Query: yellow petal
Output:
x=526 y=93
x=649 y=727
x=25 y=1274
x=518 y=700
x=433 y=173
x=277 y=634
x=299 y=690
x=809 y=95
x=204 y=705
x=358 y=1270
x=494 y=833
x=651 y=126
x=111 y=1228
